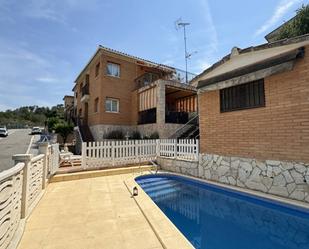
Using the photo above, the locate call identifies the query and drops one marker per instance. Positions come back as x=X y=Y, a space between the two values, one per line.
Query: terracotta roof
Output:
x=242 y=60
x=138 y=60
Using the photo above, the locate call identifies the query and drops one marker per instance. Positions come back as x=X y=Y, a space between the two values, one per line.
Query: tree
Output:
x=299 y=25
x=52 y=122
x=64 y=130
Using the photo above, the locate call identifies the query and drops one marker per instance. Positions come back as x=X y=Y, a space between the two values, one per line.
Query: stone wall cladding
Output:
x=98 y=131
x=286 y=179
x=164 y=130
x=179 y=166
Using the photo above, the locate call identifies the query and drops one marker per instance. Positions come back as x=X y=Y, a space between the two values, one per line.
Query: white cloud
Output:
x=211 y=28
x=205 y=42
x=29 y=78
x=283 y=7
x=47 y=79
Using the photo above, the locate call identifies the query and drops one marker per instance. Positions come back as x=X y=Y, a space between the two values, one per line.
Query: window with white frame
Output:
x=113 y=69
x=111 y=105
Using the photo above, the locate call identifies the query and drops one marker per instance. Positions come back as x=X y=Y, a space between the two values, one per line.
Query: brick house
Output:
x=117 y=91
x=68 y=107
x=254 y=118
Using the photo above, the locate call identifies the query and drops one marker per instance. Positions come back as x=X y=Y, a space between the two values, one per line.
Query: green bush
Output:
x=52 y=123
x=115 y=134
x=64 y=130
x=154 y=135
x=135 y=135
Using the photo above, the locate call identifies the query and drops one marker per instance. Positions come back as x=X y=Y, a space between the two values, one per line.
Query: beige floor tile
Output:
x=88 y=213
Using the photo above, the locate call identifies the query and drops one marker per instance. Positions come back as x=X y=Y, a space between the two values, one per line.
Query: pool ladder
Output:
x=156 y=165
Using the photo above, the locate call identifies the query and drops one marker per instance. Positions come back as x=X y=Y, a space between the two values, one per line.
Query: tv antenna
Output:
x=178 y=25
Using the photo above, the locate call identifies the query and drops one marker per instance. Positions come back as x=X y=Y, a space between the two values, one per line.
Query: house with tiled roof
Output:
x=116 y=91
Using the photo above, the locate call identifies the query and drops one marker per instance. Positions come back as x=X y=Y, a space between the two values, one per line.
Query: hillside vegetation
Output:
x=28 y=116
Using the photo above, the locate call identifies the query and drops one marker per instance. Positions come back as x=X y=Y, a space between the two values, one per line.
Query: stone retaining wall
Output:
x=179 y=166
x=287 y=179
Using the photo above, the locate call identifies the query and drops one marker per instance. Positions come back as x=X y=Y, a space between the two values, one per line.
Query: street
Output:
x=16 y=143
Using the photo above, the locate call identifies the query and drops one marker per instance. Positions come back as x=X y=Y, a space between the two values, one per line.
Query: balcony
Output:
x=181 y=76
x=178 y=76
x=85 y=93
x=147 y=117
x=146 y=79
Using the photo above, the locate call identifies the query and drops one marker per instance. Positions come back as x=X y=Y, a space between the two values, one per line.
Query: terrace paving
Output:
x=88 y=213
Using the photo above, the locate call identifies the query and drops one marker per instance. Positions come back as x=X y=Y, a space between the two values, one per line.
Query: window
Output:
x=111 y=105
x=245 y=96
x=96 y=105
x=113 y=69
x=97 y=69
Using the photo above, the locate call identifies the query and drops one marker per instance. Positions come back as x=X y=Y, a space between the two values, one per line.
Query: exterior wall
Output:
x=286 y=179
x=164 y=130
x=98 y=131
x=134 y=107
x=103 y=86
x=179 y=166
x=278 y=131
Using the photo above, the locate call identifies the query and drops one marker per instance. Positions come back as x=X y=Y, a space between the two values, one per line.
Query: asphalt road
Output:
x=16 y=142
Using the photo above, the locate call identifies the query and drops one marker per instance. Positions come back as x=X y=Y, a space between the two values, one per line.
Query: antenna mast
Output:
x=180 y=23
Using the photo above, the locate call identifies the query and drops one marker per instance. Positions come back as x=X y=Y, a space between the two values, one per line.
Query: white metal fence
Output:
x=114 y=153
x=20 y=189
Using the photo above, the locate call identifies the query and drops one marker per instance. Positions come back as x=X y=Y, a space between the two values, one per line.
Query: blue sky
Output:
x=45 y=43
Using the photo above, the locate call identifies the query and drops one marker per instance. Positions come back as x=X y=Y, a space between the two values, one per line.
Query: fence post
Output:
x=43 y=149
x=175 y=148
x=26 y=159
x=84 y=154
x=113 y=153
x=158 y=148
x=197 y=149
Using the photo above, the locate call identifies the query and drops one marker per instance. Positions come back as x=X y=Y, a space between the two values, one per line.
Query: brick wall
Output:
x=279 y=131
x=103 y=86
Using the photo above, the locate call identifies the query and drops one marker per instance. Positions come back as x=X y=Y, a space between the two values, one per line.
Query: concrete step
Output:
x=69 y=176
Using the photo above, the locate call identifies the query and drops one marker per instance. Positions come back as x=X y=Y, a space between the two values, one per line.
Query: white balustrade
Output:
x=11 y=182
x=20 y=190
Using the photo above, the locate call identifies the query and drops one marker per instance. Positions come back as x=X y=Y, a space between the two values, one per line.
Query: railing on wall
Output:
x=147 y=116
x=115 y=153
x=20 y=190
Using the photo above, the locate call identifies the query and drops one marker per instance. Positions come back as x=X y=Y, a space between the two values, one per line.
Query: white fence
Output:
x=186 y=149
x=20 y=189
x=114 y=153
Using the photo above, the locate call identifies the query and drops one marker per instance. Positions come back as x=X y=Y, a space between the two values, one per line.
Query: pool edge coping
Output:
x=165 y=230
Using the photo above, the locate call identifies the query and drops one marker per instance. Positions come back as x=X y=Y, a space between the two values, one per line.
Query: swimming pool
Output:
x=212 y=217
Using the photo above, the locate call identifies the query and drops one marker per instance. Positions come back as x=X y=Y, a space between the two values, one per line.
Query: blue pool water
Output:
x=212 y=217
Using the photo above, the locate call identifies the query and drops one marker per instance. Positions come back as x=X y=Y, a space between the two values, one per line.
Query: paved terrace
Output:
x=88 y=213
